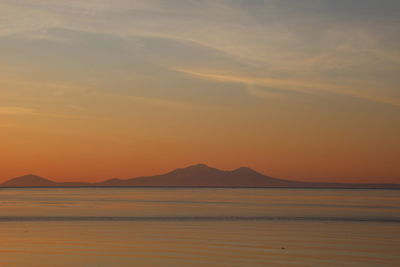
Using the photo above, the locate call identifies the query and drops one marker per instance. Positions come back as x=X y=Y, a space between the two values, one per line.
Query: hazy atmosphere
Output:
x=303 y=90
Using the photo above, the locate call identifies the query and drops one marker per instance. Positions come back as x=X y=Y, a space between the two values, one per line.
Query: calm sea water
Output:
x=199 y=227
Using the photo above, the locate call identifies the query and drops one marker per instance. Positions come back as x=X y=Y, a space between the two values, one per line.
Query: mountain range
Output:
x=199 y=175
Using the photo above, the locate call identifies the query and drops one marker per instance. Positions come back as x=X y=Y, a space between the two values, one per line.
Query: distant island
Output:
x=199 y=175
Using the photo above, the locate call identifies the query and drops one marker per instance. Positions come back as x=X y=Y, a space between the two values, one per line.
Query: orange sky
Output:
x=91 y=91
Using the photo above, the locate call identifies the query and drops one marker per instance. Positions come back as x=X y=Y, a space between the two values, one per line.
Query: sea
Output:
x=84 y=227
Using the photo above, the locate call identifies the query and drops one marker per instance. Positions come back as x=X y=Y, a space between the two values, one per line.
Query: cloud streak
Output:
x=301 y=86
x=16 y=111
x=327 y=46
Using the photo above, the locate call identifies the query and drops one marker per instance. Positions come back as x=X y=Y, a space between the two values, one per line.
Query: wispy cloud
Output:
x=165 y=103
x=323 y=47
x=302 y=86
x=16 y=111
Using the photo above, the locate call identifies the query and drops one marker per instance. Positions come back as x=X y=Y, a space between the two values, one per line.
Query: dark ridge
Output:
x=199 y=175
x=28 y=180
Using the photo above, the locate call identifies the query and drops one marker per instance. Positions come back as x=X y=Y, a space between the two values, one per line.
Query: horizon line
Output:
x=201 y=165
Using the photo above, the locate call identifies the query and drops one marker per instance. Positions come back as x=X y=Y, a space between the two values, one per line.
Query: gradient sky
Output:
x=306 y=89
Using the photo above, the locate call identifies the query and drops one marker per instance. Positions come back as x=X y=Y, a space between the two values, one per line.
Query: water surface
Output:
x=199 y=227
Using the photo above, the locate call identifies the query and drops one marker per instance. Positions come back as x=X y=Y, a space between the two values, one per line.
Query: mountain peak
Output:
x=198 y=166
x=28 y=180
x=29 y=176
x=201 y=175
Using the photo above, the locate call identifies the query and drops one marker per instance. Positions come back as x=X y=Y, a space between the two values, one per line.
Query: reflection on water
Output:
x=133 y=236
x=159 y=202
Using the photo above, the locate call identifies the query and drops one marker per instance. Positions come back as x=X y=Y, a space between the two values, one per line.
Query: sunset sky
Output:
x=304 y=90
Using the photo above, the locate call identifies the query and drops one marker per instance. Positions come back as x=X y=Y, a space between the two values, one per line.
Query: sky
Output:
x=305 y=90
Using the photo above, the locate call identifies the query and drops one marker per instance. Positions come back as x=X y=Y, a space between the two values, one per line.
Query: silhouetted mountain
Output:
x=31 y=180
x=28 y=180
x=199 y=175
